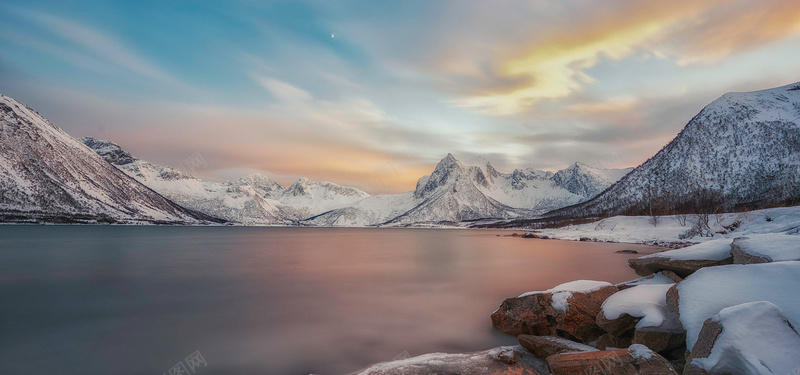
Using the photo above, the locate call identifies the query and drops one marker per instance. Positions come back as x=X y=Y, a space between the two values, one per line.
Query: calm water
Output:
x=139 y=300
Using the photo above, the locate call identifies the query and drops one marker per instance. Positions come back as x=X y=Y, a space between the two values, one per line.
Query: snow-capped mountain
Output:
x=251 y=200
x=45 y=174
x=742 y=149
x=457 y=191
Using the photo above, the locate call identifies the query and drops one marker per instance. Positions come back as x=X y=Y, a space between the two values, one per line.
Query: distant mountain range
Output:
x=454 y=192
x=741 y=150
x=457 y=191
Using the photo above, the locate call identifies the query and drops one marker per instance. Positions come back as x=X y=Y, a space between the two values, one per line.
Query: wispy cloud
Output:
x=281 y=90
x=101 y=45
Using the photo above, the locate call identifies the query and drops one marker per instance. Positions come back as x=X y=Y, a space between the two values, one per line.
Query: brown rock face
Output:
x=607 y=341
x=659 y=340
x=682 y=268
x=580 y=320
x=531 y=315
x=616 y=362
x=545 y=346
x=702 y=348
x=619 y=326
x=742 y=257
x=534 y=315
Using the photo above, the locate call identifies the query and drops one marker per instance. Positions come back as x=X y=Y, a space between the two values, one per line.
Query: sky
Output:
x=372 y=94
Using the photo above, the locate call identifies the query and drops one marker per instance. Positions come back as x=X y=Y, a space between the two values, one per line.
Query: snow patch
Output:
x=756 y=339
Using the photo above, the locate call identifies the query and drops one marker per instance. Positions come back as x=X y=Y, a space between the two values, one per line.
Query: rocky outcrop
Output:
x=634 y=360
x=503 y=360
x=545 y=346
x=571 y=316
x=681 y=267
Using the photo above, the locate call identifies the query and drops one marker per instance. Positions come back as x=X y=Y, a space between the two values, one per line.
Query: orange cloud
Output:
x=684 y=31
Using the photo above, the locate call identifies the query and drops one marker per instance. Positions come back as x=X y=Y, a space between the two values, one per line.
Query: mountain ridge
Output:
x=742 y=149
x=46 y=175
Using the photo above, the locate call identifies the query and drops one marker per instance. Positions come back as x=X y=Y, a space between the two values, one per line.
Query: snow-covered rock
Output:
x=501 y=360
x=687 y=260
x=706 y=292
x=45 y=174
x=741 y=148
x=643 y=309
x=568 y=310
x=752 y=338
x=648 y=303
x=764 y=248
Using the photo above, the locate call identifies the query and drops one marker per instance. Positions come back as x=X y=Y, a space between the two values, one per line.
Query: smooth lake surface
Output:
x=139 y=300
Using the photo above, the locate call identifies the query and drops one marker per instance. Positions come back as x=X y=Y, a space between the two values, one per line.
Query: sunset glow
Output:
x=524 y=84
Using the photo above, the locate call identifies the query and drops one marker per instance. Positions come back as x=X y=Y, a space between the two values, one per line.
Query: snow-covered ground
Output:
x=637 y=229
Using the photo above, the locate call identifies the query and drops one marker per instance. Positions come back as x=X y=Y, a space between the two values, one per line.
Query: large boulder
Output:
x=683 y=262
x=503 y=360
x=751 y=338
x=568 y=310
x=765 y=248
x=545 y=346
x=643 y=310
x=636 y=359
x=710 y=290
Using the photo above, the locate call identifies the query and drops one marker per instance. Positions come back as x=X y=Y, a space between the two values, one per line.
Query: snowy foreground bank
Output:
x=677 y=229
x=728 y=304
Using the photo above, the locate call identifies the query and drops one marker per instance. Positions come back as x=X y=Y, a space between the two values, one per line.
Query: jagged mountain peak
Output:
x=263 y=185
x=108 y=150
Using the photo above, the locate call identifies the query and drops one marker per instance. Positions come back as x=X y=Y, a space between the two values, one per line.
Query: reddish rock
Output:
x=545 y=346
x=531 y=315
x=534 y=314
x=616 y=362
x=580 y=320
x=606 y=342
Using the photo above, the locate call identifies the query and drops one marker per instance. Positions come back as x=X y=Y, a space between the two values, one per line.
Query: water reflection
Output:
x=96 y=300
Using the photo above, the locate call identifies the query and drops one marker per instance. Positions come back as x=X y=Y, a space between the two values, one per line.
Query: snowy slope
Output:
x=251 y=200
x=312 y=198
x=457 y=191
x=743 y=148
x=637 y=229
x=46 y=174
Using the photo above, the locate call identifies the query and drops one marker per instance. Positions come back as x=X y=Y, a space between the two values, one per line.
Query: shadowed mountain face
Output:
x=47 y=175
x=742 y=149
